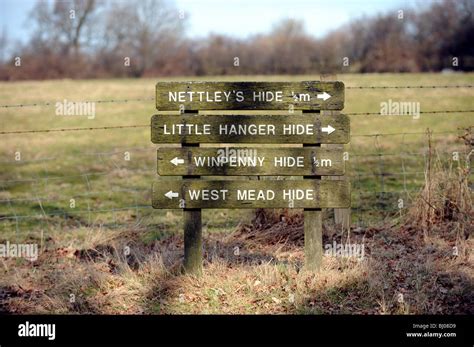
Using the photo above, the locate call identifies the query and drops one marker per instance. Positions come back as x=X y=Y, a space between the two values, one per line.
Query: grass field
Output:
x=74 y=192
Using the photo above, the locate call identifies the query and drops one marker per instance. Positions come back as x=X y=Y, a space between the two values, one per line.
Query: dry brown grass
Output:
x=446 y=196
x=262 y=278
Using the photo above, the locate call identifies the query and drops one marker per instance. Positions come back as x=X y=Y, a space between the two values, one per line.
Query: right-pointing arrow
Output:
x=171 y=194
x=329 y=129
x=323 y=96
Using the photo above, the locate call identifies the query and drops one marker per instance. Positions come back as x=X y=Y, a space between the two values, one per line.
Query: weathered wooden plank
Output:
x=250 y=194
x=310 y=128
x=247 y=161
x=305 y=95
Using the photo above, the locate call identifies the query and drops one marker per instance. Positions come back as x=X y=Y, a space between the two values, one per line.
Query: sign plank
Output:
x=308 y=128
x=305 y=95
x=235 y=161
x=251 y=194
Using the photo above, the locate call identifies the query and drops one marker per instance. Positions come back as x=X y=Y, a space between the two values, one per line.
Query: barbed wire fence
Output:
x=377 y=184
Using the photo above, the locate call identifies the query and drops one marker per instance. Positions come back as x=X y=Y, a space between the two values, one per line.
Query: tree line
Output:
x=143 y=38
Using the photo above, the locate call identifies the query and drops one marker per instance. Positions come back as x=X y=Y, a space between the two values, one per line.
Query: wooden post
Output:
x=313 y=233
x=313 y=239
x=313 y=229
x=342 y=216
x=192 y=241
x=192 y=263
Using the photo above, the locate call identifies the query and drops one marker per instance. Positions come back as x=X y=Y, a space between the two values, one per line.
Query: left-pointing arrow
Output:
x=175 y=161
x=171 y=194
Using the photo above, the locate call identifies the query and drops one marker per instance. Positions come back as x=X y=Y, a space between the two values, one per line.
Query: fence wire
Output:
x=379 y=198
x=52 y=103
x=36 y=131
x=371 y=174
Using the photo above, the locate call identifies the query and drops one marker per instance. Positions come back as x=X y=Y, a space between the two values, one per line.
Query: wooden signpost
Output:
x=180 y=122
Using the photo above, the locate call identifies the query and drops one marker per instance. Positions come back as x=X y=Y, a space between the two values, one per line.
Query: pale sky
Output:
x=238 y=18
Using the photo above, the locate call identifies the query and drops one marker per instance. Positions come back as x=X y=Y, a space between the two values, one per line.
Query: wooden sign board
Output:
x=235 y=161
x=191 y=113
x=306 y=95
x=308 y=128
x=251 y=194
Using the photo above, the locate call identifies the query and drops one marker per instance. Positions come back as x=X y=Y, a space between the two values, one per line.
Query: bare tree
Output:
x=148 y=32
x=98 y=38
x=292 y=48
x=443 y=31
x=63 y=24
